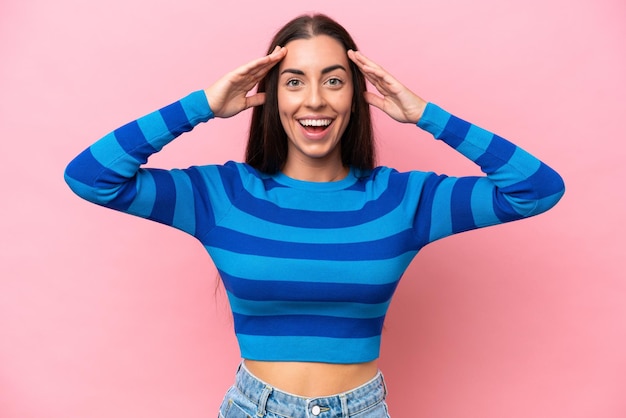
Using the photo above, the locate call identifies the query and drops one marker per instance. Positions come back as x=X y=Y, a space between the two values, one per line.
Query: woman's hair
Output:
x=267 y=141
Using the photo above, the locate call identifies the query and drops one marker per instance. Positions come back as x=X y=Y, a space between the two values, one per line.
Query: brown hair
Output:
x=267 y=141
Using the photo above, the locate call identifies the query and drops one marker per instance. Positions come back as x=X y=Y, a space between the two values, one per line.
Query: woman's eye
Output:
x=334 y=82
x=293 y=83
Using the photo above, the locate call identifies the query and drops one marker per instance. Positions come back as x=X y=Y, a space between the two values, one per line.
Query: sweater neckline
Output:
x=316 y=186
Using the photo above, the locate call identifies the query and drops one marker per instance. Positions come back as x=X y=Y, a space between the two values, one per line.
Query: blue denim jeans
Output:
x=250 y=397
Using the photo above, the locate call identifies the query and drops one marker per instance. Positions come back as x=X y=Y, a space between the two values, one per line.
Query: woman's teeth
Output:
x=315 y=122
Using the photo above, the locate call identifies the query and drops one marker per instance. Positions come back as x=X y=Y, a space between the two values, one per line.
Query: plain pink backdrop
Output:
x=106 y=315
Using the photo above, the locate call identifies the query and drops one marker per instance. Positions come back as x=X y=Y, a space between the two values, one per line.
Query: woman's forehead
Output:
x=314 y=53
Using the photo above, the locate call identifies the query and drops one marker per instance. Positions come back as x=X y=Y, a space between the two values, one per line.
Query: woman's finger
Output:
x=260 y=66
x=374 y=73
x=228 y=96
x=397 y=101
x=256 y=99
x=374 y=100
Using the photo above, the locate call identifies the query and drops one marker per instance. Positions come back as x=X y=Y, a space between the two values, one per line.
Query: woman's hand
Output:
x=229 y=95
x=397 y=101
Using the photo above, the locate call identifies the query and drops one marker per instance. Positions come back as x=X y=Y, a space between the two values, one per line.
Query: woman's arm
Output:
x=516 y=185
x=109 y=172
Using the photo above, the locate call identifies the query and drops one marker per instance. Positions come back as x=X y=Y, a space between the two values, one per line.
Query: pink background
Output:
x=106 y=315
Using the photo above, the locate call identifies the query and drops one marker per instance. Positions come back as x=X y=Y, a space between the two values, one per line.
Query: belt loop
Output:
x=344 y=405
x=267 y=391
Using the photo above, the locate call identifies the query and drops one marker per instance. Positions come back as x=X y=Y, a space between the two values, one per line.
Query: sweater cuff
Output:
x=434 y=119
x=197 y=107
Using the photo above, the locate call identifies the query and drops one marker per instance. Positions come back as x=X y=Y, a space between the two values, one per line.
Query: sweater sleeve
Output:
x=109 y=172
x=517 y=185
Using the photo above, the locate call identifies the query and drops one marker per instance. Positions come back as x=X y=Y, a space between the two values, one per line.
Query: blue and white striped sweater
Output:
x=310 y=268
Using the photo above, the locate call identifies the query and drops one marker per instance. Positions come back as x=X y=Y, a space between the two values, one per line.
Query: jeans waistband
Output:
x=268 y=398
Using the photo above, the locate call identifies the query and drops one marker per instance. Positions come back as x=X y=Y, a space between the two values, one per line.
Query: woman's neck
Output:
x=315 y=172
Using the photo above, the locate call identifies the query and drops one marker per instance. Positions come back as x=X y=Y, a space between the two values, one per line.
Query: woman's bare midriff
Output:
x=312 y=379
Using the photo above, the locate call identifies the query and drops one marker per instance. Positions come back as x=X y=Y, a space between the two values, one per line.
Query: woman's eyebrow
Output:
x=333 y=68
x=324 y=71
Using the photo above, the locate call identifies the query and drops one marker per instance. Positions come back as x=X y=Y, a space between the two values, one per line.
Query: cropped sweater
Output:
x=310 y=268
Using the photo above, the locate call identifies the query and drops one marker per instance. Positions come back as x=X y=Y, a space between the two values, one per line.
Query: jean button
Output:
x=316 y=410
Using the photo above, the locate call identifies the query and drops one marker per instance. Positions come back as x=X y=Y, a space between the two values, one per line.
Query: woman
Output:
x=309 y=237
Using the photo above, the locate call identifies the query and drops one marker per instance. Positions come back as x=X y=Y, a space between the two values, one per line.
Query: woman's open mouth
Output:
x=315 y=125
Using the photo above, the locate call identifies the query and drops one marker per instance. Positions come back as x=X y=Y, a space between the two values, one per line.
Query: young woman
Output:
x=309 y=237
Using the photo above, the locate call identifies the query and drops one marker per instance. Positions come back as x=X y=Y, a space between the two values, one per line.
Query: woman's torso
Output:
x=310 y=379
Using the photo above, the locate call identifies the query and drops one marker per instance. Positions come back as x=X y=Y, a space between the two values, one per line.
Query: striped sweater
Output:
x=310 y=268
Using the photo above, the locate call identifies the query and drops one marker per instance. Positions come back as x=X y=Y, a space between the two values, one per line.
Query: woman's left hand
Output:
x=397 y=101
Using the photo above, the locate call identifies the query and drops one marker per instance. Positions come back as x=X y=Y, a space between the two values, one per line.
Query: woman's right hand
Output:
x=229 y=95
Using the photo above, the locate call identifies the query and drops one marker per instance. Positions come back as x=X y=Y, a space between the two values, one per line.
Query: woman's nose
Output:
x=315 y=98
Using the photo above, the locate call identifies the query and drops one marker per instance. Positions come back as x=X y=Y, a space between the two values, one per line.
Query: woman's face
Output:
x=315 y=98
